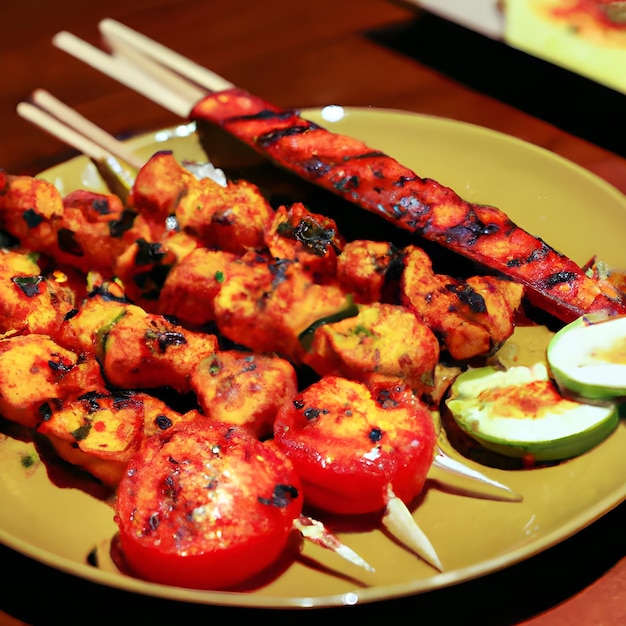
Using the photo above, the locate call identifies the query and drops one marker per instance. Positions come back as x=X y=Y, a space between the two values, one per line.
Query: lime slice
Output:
x=520 y=412
x=587 y=357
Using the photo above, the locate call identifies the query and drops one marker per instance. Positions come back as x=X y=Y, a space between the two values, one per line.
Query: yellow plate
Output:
x=567 y=206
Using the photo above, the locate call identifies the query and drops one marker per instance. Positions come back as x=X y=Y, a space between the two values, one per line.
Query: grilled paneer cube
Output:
x=145 y=265
x=93 y=231
x=266 y=305
x=35 y=371
x=29 y=208
x=158 y=187
x=85 y=230
x=471 y=317
x=369 y=269
x=244 y=388
x=383 y=342
x=192 y=284
x=100 y=431
x=29 y=301
x=140 y=350
x=231 y=217
x=309 y=238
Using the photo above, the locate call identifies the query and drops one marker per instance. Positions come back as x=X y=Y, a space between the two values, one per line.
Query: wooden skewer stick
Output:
x=315 y=531
x=115 y=162
x=69 y=126
x=170 y=81
x=401 y=525
x=122 y=70
x=492 y=488
x=50 y=124
x=118 y=34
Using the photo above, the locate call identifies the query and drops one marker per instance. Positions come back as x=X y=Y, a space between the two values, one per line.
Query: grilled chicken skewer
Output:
x=89 y=231
x=103 y=146
x=356 y=172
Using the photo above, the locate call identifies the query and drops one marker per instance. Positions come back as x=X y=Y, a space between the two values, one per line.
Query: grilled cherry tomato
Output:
x=350 y=444
x=205 y=506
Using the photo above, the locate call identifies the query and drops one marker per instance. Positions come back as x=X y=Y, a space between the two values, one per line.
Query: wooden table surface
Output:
x=350 y=52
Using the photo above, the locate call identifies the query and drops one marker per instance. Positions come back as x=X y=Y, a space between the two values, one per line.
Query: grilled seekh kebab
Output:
x=381 y=185
x=364 y=176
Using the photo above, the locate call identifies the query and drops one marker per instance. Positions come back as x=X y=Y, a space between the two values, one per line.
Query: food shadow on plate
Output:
x=65 y=475
x=108 y=556
x=60 y=473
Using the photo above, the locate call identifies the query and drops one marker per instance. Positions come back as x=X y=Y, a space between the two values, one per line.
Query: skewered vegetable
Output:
x=359 y=451
x=206 y=506
x=349 y=446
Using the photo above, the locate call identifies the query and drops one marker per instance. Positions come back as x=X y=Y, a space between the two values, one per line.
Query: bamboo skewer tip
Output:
x=398 y=520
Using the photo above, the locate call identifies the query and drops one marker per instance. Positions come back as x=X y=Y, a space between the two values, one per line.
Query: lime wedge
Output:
x=587 y=358
x=520 y=412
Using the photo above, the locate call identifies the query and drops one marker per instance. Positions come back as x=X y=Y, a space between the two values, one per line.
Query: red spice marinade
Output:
x=598 y=10
x=378 y=183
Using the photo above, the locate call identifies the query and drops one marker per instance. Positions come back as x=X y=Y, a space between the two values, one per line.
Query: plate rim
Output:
x=358 y=595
